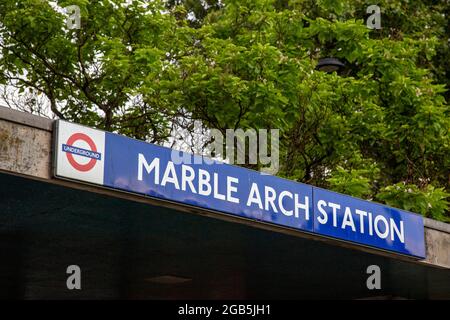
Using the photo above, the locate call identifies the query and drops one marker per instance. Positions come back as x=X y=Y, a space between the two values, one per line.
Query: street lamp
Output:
x=329 y=65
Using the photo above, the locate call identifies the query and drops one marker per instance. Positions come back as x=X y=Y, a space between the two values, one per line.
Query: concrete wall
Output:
x=26 y=150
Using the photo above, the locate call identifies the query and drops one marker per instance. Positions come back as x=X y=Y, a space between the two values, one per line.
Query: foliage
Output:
x=431 y=201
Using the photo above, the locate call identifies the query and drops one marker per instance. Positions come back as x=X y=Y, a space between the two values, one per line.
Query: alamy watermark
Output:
x=74 y=17
x=73 y=14
x=374 y=20
x=241 y=147
x=374 y=280
x=74 y=280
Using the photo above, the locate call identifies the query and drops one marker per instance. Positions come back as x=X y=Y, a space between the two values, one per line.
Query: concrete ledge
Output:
x=437 y=245
x=25 y=119
x=436 y=225
x=26 y=150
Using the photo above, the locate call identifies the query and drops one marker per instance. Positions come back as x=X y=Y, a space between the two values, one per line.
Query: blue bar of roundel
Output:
x=413 y=224
x=121 y=172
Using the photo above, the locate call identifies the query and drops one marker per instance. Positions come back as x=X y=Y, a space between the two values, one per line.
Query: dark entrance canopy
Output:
x=127 y=249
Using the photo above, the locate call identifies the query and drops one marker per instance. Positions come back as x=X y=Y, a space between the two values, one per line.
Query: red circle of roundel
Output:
x=81 y=167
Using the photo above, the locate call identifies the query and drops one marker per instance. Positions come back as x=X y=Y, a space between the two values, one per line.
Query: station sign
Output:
x=130 y=165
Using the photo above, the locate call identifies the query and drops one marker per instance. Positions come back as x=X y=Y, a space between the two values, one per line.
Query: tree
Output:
x=89 y=74
x=379 y=129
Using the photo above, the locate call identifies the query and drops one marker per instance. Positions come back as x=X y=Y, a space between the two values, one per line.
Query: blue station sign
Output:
x=126 y=164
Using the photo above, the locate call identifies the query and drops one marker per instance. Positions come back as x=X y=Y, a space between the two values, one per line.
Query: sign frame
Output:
x=419 y=247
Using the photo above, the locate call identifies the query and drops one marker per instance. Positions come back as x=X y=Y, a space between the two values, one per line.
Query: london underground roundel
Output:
x=70 y=150
x=79 y=152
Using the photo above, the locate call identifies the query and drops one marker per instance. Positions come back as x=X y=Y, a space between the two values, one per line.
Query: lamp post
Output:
x=329 y=65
